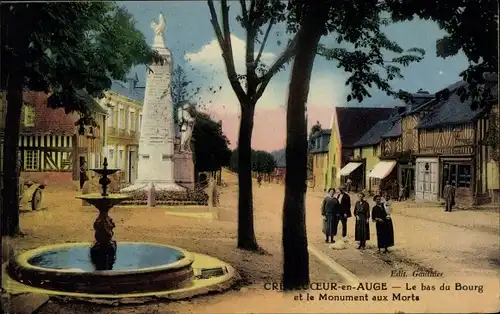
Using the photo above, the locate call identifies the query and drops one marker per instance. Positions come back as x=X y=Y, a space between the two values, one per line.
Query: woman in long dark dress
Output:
x=383 y=223
x=362 y=214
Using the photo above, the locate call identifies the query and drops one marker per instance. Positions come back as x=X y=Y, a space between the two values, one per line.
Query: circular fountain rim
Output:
x=22 y=260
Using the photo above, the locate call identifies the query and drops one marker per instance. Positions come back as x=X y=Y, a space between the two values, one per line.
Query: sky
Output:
x=190 y=37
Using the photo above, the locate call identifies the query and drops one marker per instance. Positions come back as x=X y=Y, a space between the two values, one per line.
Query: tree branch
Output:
x=224 y=39
x=244 y=12
x=285 y=57
x=266 y=35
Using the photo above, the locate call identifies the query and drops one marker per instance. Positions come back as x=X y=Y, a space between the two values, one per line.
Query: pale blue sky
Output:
x=189 y=31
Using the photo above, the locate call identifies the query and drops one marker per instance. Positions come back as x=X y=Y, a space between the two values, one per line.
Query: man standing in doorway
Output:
x=449 y=196
x=343 y=213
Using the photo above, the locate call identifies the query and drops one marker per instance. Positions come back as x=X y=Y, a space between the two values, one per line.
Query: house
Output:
x=400 y=143
x=280 y=170
x=319 y=153
x=51 y=148
x=349 y=124
x=451 y=149
x=371 y=171
x=124 y=117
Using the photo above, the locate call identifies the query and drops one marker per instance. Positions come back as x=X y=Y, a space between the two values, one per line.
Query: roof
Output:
x=280 y=158
x=432 y=101
x=349 y=118
x=48 y=121
x=450 y=111
x=321 y=132
x=132 y=92
x=394 y=130
x=374 y=135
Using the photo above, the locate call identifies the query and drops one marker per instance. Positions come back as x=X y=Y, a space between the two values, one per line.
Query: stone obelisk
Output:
x=156 y=142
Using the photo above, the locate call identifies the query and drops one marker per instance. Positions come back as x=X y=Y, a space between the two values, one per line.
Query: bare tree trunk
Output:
x=246 y=232
x=295 y=253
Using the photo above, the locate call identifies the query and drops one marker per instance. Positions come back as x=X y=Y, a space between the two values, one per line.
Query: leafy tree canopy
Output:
x=210 y=144
x=262 y=161
x=358 y=24
x=73 y=50
x=471 y=27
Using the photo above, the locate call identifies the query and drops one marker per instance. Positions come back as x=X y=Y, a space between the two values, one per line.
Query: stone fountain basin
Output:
x=97 y=200
x=139 y=267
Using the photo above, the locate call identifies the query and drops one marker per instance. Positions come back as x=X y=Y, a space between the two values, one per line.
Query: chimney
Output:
x=132 y=83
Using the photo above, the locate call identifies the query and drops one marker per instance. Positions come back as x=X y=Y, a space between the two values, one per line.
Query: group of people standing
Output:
x=336 y=208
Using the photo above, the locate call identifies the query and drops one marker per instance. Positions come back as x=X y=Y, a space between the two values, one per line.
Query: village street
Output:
x=459 y=245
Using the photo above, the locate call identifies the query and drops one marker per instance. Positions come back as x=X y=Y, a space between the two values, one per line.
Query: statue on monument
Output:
x=159 y=28
x=186 y=122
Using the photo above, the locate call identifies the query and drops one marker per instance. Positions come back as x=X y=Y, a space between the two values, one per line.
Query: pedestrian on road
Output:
x=259 y=180
x=362 y=214
x=449 y=197
x=328 y=209
x=343 y=213
x=83 y=174
x=383 y=223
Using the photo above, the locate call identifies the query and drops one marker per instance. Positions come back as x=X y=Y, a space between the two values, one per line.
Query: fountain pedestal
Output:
x=103 y=252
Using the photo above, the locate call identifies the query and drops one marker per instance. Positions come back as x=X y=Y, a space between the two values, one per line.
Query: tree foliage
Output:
x=71 y=51
x=358 y=24
x=471 y=27
x=211 y=146
x=262 y=161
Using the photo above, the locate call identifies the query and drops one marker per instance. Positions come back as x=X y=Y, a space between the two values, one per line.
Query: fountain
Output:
x=107 y=268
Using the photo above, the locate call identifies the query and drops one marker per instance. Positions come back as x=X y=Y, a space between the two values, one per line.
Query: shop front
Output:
x=352 y=175
x=382 y=178
x=427 y=179
x=458 y=171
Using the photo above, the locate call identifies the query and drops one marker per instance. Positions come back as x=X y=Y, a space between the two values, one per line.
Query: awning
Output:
x=382 y=169
x=350 y=167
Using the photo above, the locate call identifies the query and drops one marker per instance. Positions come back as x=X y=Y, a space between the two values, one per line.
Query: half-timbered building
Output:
x=450 y=150
x=400 y=143
x=51 y=147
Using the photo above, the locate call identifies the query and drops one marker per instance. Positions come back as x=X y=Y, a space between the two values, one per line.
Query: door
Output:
x=132 y=166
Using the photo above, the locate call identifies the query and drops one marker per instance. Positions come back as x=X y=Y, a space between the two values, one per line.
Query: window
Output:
x=459 y=175
x=121 y=118
x=120 y=159
x=111 y=157
x=29 y=115
x=31 y=160
x=131 y=121
x=110 y=118
x=464 y=176
x=128 y=114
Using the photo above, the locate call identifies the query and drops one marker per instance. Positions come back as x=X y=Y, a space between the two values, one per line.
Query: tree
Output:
x=315 y=128
x=254 y=15
x=233 y=162
x=210 y=144
x=354 y=22
x=478 y=41
x=70 y=51
x=262 y=162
